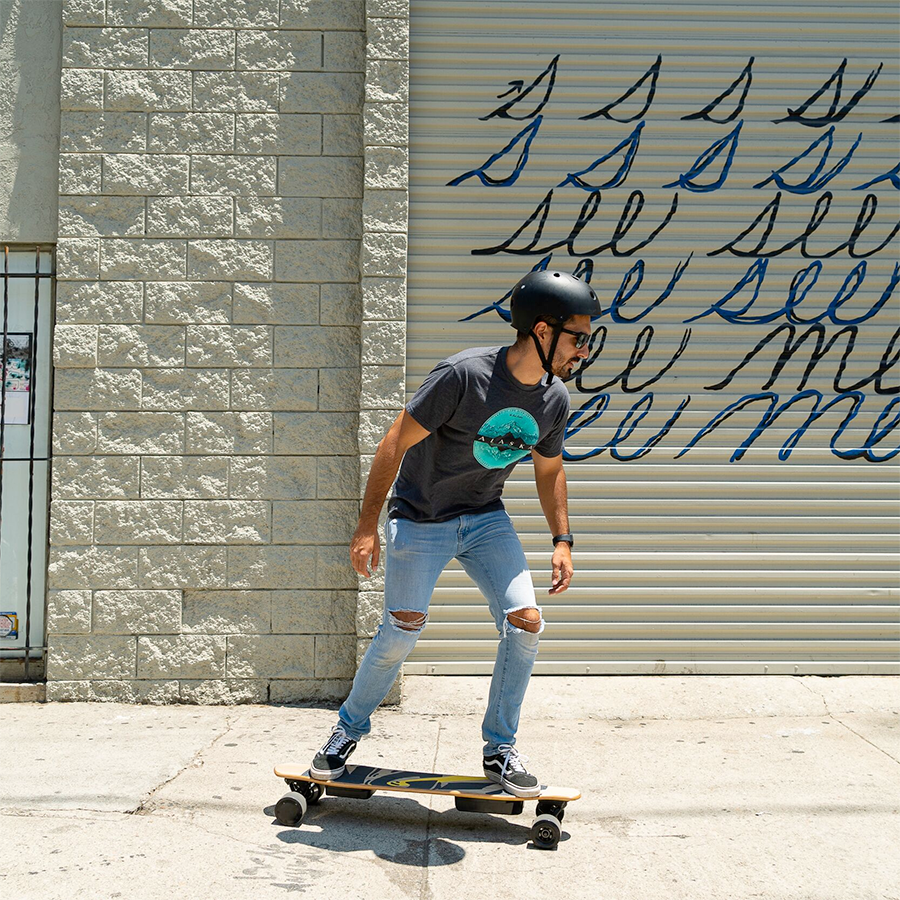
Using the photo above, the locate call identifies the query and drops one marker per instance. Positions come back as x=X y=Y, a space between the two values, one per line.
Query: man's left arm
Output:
x=551 y=487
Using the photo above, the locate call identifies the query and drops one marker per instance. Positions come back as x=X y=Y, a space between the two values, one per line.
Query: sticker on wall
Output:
x=17 y=380
x=9 y=625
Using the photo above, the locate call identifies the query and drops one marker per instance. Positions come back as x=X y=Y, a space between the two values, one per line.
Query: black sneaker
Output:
x=329 y=763
x=507 y=768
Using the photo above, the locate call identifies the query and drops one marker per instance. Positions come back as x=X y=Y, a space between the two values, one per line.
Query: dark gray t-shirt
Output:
x=482 y=422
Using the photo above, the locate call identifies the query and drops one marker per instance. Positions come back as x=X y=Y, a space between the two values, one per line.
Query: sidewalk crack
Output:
x=425 y=893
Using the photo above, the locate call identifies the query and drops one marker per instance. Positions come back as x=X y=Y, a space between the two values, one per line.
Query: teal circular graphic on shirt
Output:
x=505 y=438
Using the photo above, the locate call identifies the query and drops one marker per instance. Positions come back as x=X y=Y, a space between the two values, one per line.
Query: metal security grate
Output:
x=24 y=458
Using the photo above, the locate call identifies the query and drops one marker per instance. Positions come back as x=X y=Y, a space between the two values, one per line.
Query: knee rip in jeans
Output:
x=408 y=620
x=526 y=618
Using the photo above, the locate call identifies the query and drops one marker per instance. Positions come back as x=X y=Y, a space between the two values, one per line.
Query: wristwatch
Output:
x=564 y=538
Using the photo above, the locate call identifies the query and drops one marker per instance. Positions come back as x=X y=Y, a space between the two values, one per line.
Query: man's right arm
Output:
x=403 y=434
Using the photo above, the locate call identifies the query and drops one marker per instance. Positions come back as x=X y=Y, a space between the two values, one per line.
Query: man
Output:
x=474 y=417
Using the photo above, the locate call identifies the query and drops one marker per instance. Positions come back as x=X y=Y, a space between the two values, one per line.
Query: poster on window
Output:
x=17 y=379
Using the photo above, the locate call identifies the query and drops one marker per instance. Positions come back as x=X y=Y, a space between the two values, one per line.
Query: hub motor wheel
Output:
x=546 y=831
x=290 y=809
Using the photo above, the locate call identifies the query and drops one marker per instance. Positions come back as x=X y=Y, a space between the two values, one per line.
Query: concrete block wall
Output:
x=208 y=344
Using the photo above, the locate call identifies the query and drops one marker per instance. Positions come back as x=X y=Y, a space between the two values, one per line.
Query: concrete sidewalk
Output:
x=702 y=788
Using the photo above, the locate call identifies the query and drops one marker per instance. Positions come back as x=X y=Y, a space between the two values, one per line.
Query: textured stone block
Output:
x=383 y=343
x=386 y=211
x=236 y=92
x=142 y=259
x=104 y=48
x=384 y=254
x=226 y=522
x=84 y=568
x=126 y=522
x=223 y=692
x=74 y=433
x=325 y=14
x=68 y=612
x=326 y=176
x=101 y=216
x=229 y=432
x=387 y=81
x=80 y=173
x=239 y=176
x=339 y=389
x=83 y=12
x=282 y=134
x=137 y=612
x=72 y=522
x=315 y=433
x=271 y=656
x=186 y=302
x=130 y=433
x=278 y=217
x=78 y=259
x=387 y=38
x=308 y=347
x=148 y=91
x=184 y=656
x=398 y=8
x=383 y=387
x=158 y=14
x=316 y=261
x=107 y=477
x=140 y=345
x=273 y=477
x=145 y=173
x=342 y=218
x=345 y=51
x=100 y=389
x=98 y=301
x=81 y=89
x=282 y=389
x=185 y=389
x=75 y=657
x=186 y=477
x=182 y=567
x=384 y=298
x=227 y=612
x=276 y=304
x=292 y=690
x=369 y=612
x=279 y=50
x=236 y=13
x=271 y=567
x=191 y=132
x=313 y=612
x=229 y=345
x=75 y=345
x=373 y=426
x=331 y=92
x=231 y=260
x=153 y=693
x=314 y=521
x=333 y=569
x=340 y=304
x=335 y=656
x=337 y=478
x=190 y=216
x=342 y=135
x=386 y=124
x=193 y=48
x=387 y=168
x=108 y=132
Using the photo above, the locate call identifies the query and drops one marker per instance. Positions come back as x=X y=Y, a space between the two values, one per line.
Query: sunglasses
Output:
x=581 y=337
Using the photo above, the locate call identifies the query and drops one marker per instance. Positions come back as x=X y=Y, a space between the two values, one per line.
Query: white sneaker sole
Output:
x=513 y=789
x=327 y=774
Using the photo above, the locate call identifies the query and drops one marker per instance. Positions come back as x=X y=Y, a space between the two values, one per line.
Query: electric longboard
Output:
x=471 y=795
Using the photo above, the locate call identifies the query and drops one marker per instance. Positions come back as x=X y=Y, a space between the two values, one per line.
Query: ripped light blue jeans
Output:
x=416 y=553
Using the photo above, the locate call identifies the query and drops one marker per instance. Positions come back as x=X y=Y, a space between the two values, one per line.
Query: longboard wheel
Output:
x=546 y=831
x=290 y=809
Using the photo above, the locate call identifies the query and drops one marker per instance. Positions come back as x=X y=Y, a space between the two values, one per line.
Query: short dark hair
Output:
x=550 y=320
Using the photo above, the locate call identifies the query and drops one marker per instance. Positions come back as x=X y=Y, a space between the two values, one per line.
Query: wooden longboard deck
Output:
x=477 y=788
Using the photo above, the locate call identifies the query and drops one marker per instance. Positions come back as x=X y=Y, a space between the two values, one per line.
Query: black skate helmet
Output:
x=555 y=294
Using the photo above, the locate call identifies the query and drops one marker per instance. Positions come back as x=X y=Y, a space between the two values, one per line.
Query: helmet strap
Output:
x=547 y=360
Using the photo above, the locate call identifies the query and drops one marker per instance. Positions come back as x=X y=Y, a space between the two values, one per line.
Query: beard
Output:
x=566 y=368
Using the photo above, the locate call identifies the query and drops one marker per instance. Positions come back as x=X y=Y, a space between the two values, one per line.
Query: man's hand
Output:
x=365 y=544
x=562 y=568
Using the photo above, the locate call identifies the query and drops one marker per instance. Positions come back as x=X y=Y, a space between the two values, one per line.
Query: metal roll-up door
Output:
x=726 y=176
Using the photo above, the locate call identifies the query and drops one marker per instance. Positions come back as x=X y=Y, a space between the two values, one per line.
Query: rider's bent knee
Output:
x=408 y=620
x=526 y=619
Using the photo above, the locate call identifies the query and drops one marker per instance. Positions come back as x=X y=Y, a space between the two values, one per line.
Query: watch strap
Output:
x=564 y=538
